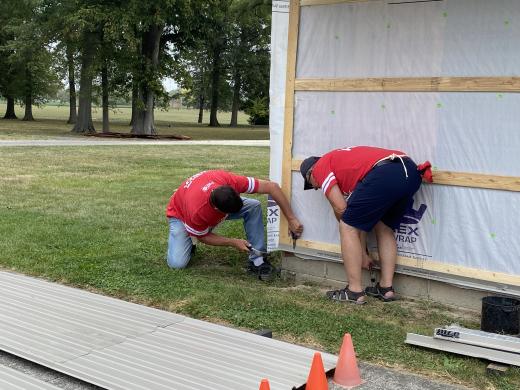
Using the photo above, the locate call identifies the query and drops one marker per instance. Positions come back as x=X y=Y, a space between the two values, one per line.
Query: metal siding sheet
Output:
x=123 y=346
x=16 y=380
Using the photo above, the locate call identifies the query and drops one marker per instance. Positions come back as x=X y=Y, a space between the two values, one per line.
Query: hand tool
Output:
x=256 y=252
x=294 y=238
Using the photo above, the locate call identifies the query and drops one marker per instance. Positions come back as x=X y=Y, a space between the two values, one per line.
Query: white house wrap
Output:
x=439 y=80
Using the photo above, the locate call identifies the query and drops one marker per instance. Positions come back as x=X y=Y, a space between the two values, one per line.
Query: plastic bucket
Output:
x=500 y=315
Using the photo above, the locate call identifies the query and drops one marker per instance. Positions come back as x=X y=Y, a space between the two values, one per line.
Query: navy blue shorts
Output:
x=384 y=195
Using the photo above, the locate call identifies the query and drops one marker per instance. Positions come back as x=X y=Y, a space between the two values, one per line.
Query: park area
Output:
x=106 y=108
x=93 y=217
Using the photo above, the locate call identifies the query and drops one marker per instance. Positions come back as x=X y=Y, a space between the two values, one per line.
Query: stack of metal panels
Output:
x=470 y=342
x=16 y=380
x=120 y=345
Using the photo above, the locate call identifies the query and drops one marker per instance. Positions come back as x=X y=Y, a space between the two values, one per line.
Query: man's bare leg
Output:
x=352 y=256
x=387 y=249
x=367 y=260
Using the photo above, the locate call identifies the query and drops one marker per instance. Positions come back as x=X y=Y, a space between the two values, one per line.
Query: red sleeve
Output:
x=195 y=230
x=324 y=176
x=244 y=184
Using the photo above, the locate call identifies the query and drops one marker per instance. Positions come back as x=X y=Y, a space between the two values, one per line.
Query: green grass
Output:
x=93 y=217
x=51 y=123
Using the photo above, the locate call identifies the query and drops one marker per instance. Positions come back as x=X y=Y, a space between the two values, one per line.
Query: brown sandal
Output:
x=380 y=292
x=345 y=295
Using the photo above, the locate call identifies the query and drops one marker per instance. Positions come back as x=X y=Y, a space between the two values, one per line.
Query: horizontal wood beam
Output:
x=464 y=179
x=304 y=3
x=428 y=265
x=411 y=84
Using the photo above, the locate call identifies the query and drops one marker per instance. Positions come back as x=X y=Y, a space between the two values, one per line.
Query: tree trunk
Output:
x=135 y=96
x=236 y=101
x=144 y=118
x=73 y=116
x=9 y=113
x=201 y=108
x=28 y=95
x=104 y=87
x=84 y=123
x=215 y=84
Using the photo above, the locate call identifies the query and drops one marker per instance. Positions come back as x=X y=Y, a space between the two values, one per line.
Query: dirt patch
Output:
x=142 y=136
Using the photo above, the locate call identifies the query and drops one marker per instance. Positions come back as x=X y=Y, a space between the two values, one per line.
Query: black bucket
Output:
x=500 y=315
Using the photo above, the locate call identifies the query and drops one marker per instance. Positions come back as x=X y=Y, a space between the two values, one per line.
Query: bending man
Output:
x=368 y=188
x=208 y=198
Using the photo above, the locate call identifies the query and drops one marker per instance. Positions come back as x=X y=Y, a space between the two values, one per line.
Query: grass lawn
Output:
x=51 y=123
x=93 y=217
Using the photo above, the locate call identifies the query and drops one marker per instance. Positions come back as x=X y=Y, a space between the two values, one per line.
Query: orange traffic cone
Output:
x=264 y=385
x=317 y=379
x=347 y=371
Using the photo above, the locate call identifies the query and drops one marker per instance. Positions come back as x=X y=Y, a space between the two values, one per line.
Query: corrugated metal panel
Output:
x=120 y=345
x=16 y=380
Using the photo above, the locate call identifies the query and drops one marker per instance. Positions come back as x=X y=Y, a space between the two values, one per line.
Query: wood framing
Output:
x=428 y=265
x=464 y=179
x=292 y=47
x=389 y=84
x=412 y=84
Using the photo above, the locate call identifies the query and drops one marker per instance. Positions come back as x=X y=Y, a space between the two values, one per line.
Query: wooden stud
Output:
x=428 y=265
x=477 y=180
x=292 y=49
x=412 y=84
x=464 y=179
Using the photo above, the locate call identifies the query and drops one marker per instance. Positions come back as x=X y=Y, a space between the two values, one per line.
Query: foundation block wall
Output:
x=332 y=274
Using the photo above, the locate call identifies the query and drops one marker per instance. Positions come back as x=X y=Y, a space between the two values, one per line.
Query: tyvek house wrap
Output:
x=457 y=131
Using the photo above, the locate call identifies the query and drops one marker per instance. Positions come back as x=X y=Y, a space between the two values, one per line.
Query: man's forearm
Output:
x=216 y=240
x=282 y=202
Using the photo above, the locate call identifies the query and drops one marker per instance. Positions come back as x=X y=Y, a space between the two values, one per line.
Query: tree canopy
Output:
x=217 y=50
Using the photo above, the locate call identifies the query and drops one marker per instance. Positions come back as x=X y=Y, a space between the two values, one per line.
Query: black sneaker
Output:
x=265 y=271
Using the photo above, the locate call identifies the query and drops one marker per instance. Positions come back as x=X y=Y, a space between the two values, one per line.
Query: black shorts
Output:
x=384 y=194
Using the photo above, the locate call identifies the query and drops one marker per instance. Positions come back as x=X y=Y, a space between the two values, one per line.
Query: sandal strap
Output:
x=384 y=290
x=345 y=294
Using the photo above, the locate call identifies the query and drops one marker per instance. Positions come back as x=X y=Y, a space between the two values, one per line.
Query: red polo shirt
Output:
x=348 y=166
x=190 y=203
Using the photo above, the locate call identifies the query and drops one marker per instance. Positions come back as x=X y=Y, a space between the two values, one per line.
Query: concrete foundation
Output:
x=332 y=273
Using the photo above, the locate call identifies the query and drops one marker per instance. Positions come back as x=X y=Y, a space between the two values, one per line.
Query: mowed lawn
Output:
x=93 y=217
x=51 y=122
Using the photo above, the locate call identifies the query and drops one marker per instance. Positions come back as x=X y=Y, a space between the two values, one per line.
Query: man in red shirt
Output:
x=368 y=188
x=210 y=197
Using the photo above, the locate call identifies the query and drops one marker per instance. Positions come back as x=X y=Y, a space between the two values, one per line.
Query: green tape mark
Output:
x=439 y=105
x=500 y=96
x=493 y=235
x=445 y=14
x=383 y=106
x=388 y=25
x=332 y=112
x=434 y=168
x=336 y=36
x=506 y=22
x=434 y=221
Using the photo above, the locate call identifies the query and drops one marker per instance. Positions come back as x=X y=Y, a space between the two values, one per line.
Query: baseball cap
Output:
x=307 y=164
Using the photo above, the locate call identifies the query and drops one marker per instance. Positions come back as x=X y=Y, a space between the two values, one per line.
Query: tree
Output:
x=8 y=82
x=249 y=60
x=58 y=25
x=161 y=27
x=33 y=78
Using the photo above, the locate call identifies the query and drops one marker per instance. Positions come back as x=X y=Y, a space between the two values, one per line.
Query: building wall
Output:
x=332 y=274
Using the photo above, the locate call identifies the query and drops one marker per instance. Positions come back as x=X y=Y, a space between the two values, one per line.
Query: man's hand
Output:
x=367 y=262
x=241 y=245
x=295 y=226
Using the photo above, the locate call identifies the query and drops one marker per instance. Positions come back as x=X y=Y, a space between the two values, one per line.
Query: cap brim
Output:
x=307 y=186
